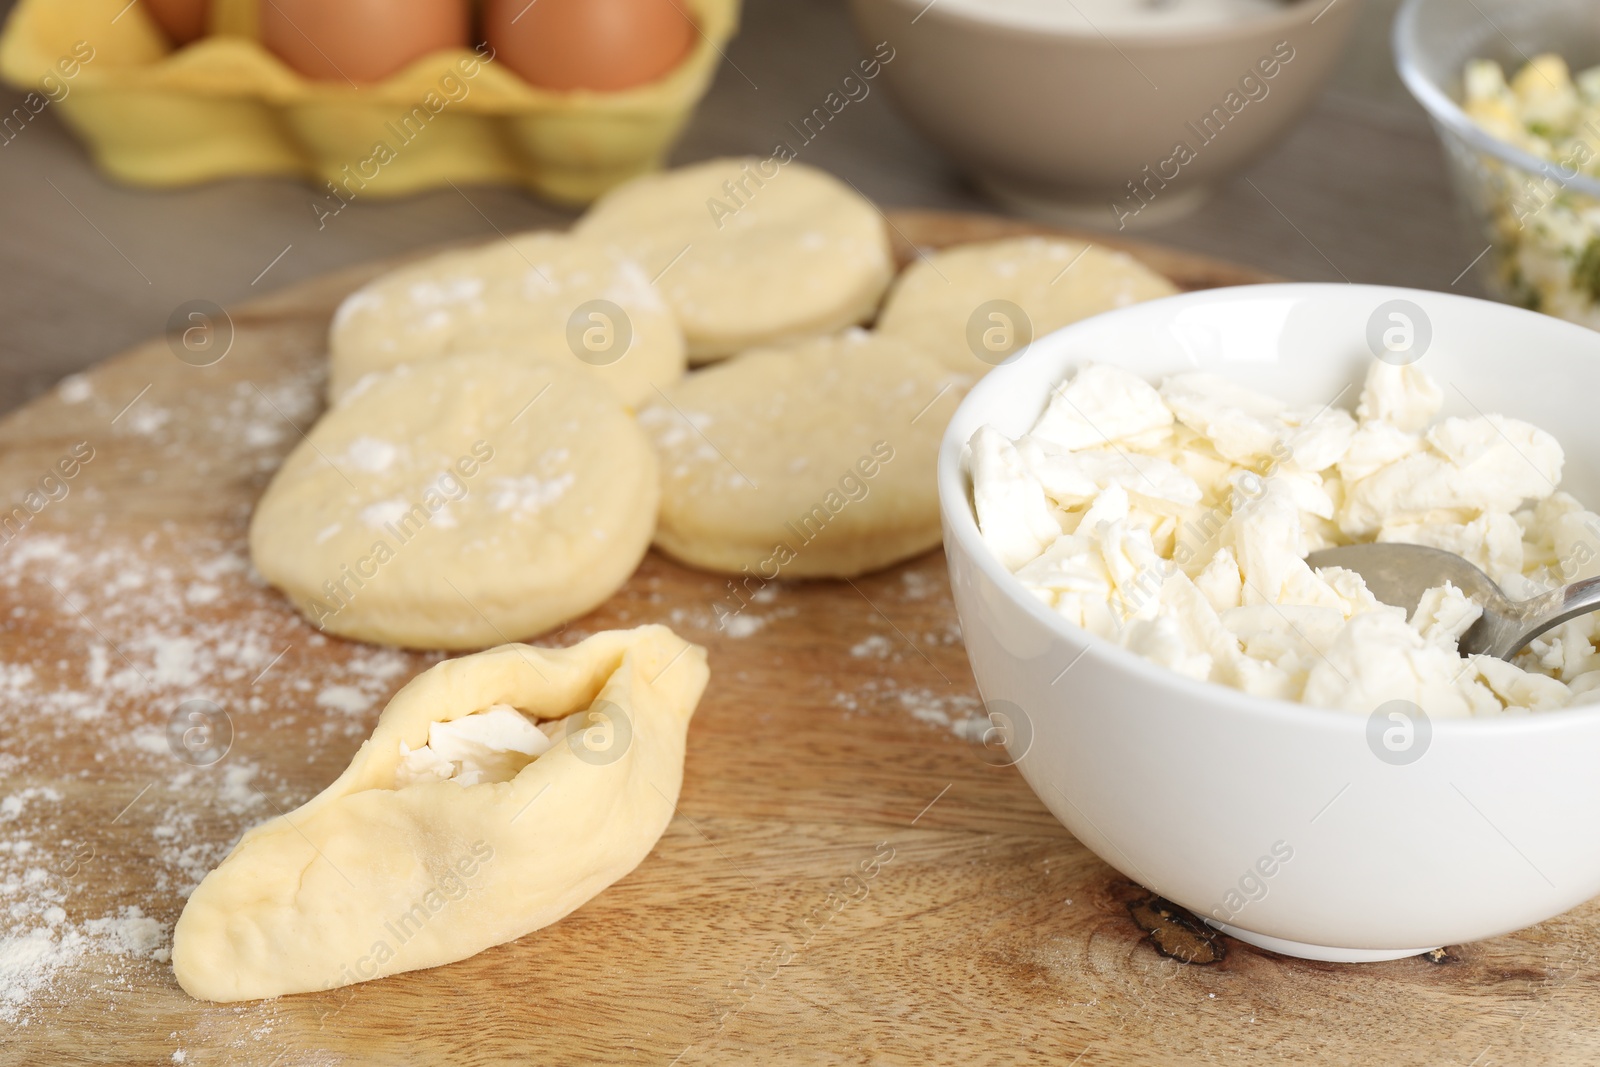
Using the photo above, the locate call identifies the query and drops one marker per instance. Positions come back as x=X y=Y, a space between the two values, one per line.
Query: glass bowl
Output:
x=1537 y=219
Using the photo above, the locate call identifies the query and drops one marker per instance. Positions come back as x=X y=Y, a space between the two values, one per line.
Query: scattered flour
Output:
x=115 y=631
x=742 y=625
x=918 y=585
x=876 y=647
x=144 y=418
x=32 y=963
x=959 y=712
x=131 y=933
x=12 y=806
x=37 y=943
x=28 y=965
x=74 y=389
x=349 y=699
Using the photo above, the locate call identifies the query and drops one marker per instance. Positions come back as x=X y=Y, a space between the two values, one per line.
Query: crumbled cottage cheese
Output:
x=1176 y=522
x=487 y=746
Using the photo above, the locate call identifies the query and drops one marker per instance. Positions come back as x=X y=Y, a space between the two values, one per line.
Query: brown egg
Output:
x=184 y=20
x=589 y=44
x=360 y=40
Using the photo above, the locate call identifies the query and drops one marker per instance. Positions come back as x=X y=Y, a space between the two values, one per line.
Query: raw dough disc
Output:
x=781 y=251
x=812 y=460
x=938 y=303
x=369 y=878
x=533 y=294
x=460 y=503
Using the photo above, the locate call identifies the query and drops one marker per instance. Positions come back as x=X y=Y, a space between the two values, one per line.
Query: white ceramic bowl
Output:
x=1196 y=790
x=1082 y=127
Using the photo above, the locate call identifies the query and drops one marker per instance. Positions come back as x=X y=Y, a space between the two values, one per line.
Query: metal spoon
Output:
x=1399 y=574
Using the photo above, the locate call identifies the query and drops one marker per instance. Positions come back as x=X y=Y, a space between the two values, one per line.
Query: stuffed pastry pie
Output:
x=498 y=792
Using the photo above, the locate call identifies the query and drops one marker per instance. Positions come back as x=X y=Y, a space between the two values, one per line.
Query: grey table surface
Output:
x=88 y=268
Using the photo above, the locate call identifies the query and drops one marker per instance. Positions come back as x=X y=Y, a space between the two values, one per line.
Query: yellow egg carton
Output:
x=224 y=107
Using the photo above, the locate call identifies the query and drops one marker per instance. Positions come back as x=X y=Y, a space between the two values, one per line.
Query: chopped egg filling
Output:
x=1176 y=521
x=491 y=745
x=1545 y=232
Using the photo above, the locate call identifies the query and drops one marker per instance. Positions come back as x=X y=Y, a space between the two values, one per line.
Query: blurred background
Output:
x=1356 y=191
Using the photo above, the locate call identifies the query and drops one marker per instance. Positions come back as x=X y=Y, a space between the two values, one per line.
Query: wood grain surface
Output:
x=847 y=880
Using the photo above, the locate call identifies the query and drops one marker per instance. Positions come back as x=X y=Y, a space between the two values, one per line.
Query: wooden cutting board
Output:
x=824 y=748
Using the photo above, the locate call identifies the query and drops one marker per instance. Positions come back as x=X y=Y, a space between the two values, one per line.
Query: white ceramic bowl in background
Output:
x=1185 y=786
x=1060 y=122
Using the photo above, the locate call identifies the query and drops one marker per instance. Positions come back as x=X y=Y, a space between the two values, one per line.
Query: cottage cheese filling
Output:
x=1176 y=520
x=487 y=746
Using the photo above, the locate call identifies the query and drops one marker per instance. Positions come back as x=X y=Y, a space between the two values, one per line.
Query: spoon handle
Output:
x=1550 y=610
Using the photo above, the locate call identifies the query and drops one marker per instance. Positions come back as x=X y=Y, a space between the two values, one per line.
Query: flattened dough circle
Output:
x=1054 y=281
x=520 y=296
x=460 y=503
x=812 y=460
x=750 y=252
x=366 y=880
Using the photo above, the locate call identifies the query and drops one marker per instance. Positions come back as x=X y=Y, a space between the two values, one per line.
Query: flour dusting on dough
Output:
x=528 y=494
x=370 y=454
